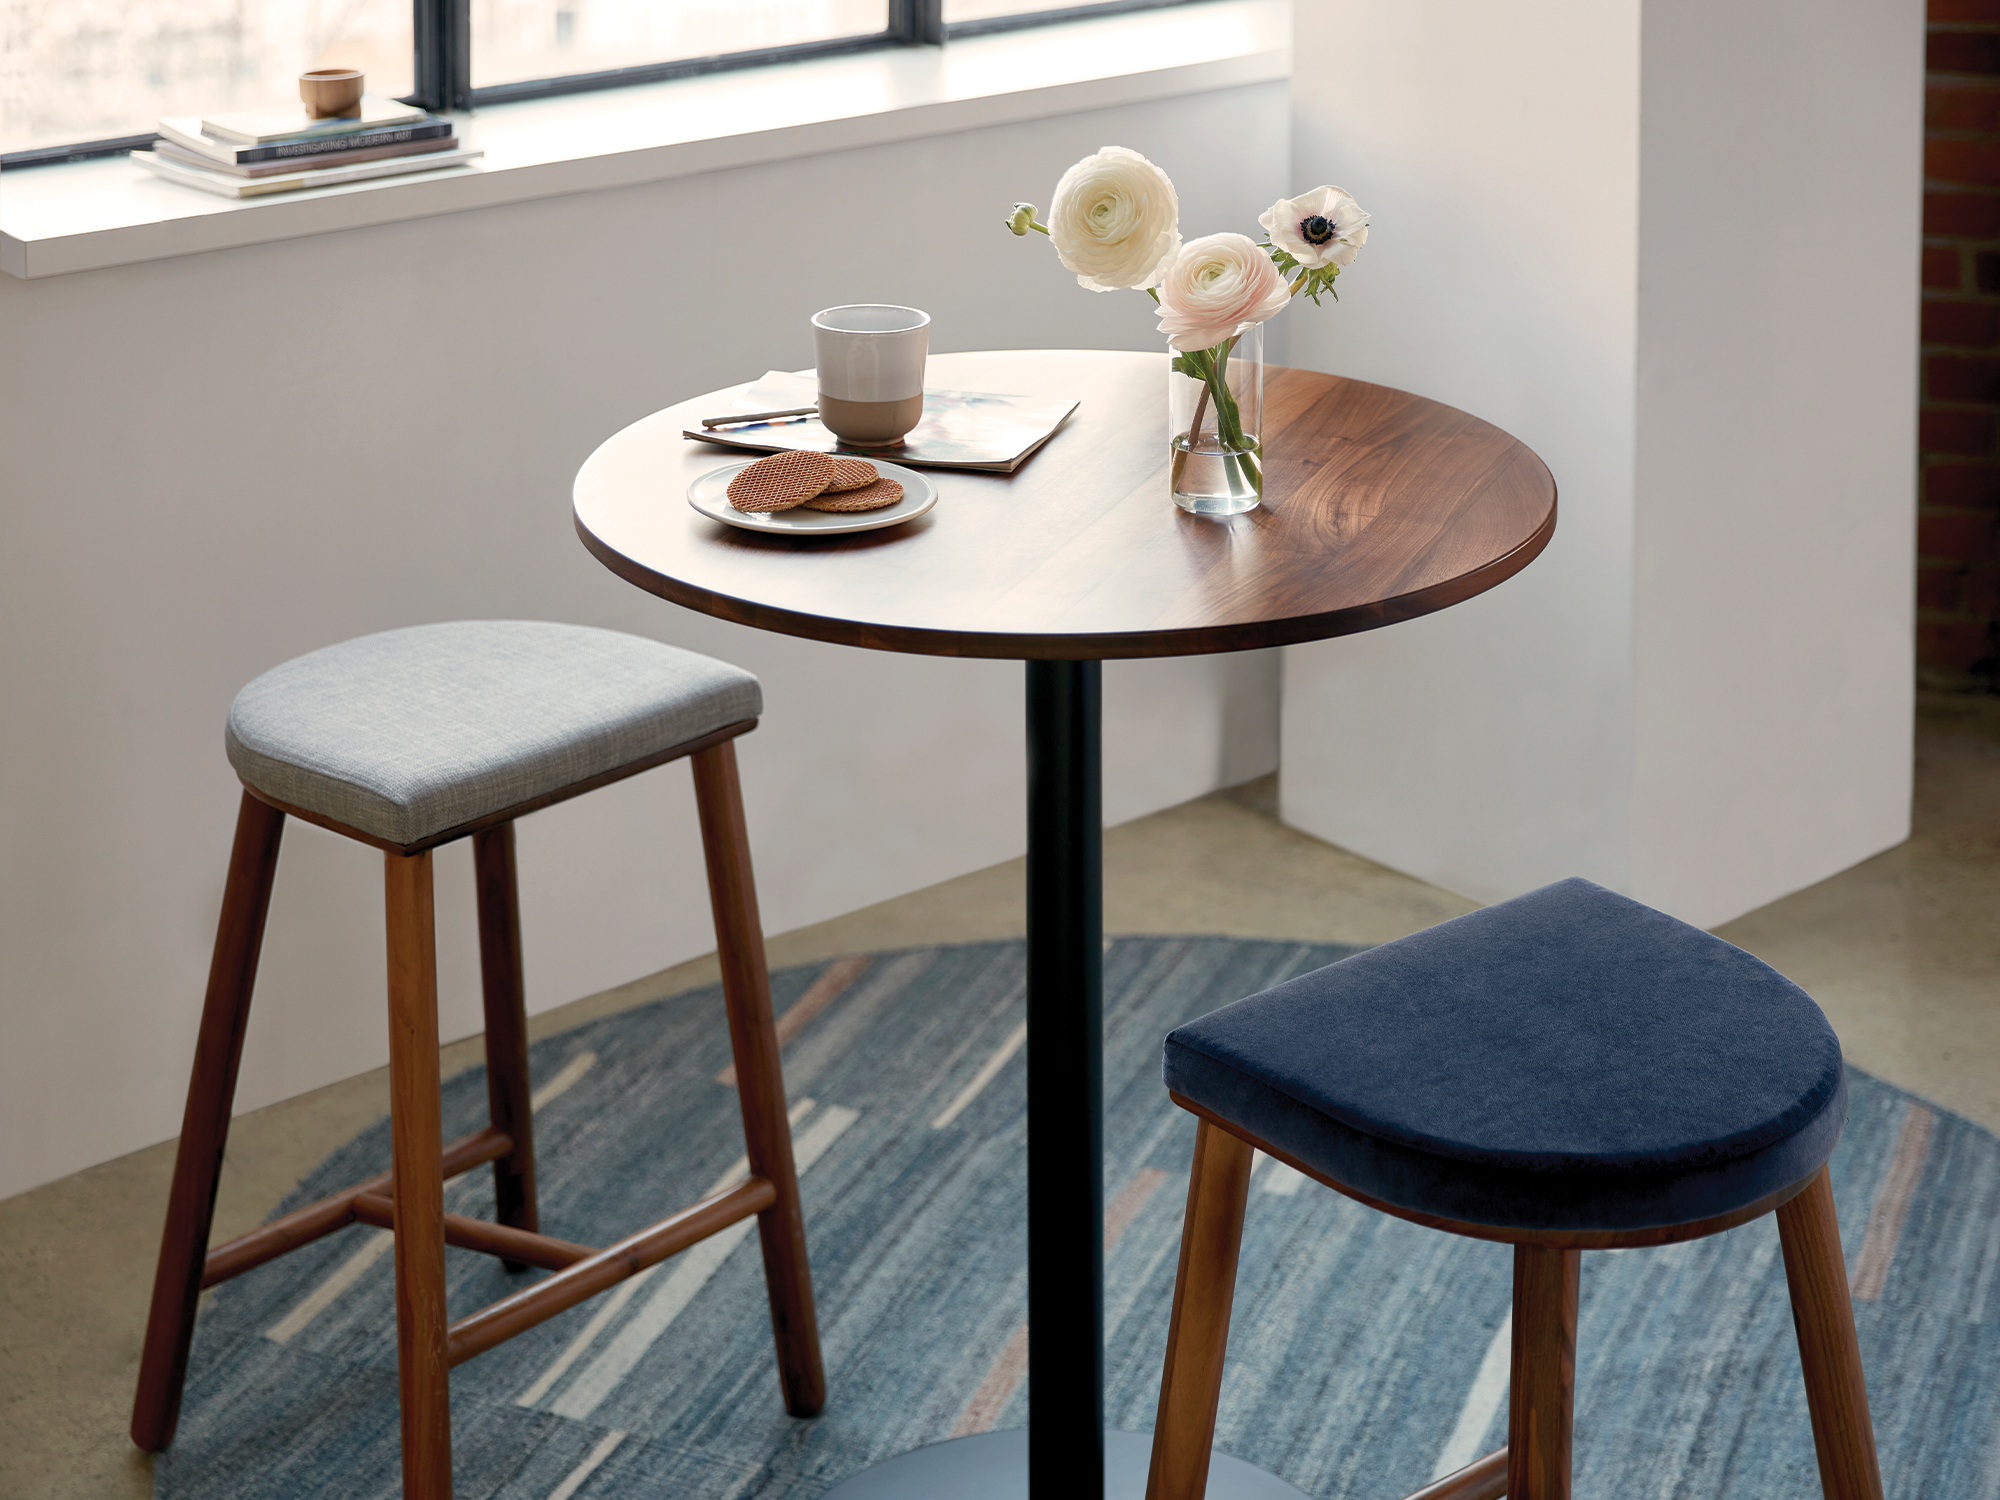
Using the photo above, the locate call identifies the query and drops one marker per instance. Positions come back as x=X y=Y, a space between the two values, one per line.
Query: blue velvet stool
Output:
x=1568 y=1071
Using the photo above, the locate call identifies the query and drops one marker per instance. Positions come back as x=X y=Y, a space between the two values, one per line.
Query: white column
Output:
x=1673 y=248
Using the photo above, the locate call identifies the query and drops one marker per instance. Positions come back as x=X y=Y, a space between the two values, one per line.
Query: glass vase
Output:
x=1215 y=422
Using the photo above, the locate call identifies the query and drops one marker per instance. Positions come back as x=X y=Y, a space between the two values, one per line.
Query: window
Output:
x=82 y=78
x=525 y=48
x=104 y=70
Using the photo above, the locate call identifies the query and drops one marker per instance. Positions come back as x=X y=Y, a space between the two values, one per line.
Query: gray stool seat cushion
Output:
x=1568 y=1060
x=412 y=732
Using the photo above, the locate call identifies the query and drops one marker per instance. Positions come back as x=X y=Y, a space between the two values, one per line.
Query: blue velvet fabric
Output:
x=1570 y=1059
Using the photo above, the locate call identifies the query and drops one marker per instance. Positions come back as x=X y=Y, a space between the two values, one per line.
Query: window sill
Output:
x=88 y=215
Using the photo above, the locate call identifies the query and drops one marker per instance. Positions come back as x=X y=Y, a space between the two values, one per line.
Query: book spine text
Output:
x=321 y=145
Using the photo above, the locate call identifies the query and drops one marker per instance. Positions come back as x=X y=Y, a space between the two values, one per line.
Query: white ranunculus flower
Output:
x=1321 y=228
x=1115 y=221
x=1216 y=285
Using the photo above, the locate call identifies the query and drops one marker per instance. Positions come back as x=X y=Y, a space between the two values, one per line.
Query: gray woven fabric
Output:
x=411 y=732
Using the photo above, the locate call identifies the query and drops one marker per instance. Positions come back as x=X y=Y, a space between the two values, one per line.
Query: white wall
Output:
x=1776 y=455
x=1605 y=226
x=1487 y=748
x=213 y=463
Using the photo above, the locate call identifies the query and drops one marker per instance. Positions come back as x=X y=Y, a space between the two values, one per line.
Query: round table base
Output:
x=994 y=1466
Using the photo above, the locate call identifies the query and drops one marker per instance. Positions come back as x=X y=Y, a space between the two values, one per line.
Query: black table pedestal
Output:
x=1065 y=1080
x=1065 y=1454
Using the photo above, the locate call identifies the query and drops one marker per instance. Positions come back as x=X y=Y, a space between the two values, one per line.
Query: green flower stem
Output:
x=1195 y=359
x=1211 y=368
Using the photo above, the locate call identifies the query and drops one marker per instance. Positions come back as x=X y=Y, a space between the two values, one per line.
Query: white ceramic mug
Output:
x=871 y=371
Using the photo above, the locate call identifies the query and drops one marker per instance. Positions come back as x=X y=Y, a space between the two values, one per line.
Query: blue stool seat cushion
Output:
x=410 y=733
x=1569 y=1060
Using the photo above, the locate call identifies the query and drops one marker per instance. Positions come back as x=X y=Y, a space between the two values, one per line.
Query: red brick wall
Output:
x=1958 y=499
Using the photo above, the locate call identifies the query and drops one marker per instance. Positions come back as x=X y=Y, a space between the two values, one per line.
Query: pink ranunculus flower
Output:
x=1215 y=286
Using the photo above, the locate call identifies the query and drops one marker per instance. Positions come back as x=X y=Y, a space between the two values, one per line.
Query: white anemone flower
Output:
x=1216 y=285
x=1321 y=228
x=1115 y=221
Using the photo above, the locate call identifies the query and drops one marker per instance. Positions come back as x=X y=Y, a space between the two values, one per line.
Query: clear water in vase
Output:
x=1211 y=479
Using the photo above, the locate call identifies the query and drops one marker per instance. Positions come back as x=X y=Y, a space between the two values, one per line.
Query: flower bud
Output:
x=1022 y=219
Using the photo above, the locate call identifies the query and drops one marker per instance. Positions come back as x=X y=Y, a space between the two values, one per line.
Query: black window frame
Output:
x=448 y=79
x=1051 y=17
x=443 y=62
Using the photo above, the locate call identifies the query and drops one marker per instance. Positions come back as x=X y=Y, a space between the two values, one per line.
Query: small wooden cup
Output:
x=329 y=93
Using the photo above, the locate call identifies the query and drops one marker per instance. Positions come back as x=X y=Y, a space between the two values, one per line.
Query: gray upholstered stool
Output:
x=408 y=740
x=1567 y=1071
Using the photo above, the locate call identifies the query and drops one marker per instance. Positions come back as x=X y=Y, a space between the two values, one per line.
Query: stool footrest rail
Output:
x=499 y=1322
x=317 y=1220
x=1482 y=1479
x=503 y=1240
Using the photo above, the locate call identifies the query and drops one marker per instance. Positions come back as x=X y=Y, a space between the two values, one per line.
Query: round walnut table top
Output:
x=1378 y=506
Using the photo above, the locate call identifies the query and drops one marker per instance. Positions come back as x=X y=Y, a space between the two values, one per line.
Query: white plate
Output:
x=710 y=495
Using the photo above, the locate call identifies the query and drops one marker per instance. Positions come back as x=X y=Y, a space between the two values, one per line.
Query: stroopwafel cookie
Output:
x=869 y=497
x=851 y=474
x=781 y=481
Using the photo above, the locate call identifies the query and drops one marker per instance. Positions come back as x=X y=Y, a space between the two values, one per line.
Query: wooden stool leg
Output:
x=508 y=1098
x=417 y=1129
x=232 y=973
x=1542 y=1397
x=1823 y=1317
x=1197 y=1338
x=760 y=1083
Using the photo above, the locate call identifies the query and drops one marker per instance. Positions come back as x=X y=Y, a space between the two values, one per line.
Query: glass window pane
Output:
x=80 y=70
x=515 y=40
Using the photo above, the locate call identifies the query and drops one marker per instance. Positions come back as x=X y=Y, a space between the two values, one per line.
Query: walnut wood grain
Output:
x=1379 y=506
x=499 y=1321
x=417 y=1144
x=508 y=1098
x=318 y=1219
x=1830 y=1355
x=514 y=1246
x=1482 y=1479
x=760 y=1079
x=232 y=974
x=1198 y=1335
x=1541 y=1393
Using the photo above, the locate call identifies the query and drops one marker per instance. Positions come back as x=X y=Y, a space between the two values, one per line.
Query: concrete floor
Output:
x=1903 y=951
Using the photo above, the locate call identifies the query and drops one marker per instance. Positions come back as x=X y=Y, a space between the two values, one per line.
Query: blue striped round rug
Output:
x=1368 y=1355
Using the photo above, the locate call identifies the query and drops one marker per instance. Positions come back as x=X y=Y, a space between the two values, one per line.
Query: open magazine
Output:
x=959 y=429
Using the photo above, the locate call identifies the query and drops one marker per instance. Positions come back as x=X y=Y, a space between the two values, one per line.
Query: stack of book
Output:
x=281 y=150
